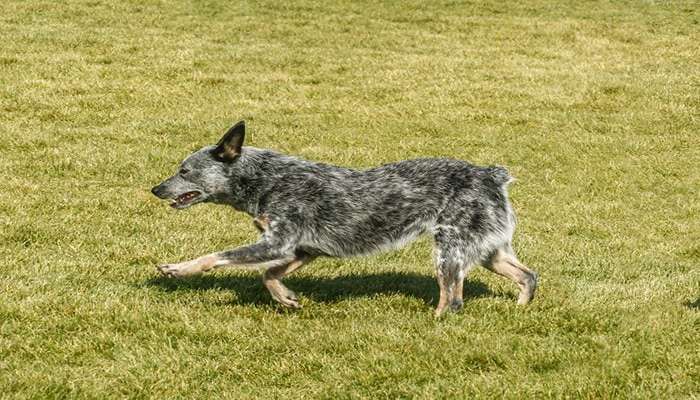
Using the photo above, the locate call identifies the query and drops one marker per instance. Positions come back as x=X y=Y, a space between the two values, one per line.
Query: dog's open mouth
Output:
x=185 y=199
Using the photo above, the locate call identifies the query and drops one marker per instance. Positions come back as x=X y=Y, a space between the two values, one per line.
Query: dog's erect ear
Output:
x=229 y=147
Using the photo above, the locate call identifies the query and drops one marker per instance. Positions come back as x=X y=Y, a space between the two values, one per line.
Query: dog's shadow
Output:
x=250 y=290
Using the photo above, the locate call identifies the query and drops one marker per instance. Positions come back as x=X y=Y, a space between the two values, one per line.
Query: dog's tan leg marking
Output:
x=507 y=265
x=189 y=268
x=272 y=281
x=262 y=223
x=444 y=296
x=457 y=294
x=459 y=290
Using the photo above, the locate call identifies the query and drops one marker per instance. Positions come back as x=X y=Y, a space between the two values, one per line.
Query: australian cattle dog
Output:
x=305 y=209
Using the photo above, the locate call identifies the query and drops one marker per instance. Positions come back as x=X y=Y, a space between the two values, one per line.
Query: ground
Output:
x=593 y=106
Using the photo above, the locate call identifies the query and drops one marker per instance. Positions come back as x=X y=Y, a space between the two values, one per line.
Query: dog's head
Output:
x=206 y=174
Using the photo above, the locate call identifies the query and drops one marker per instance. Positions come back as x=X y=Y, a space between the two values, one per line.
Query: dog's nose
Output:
x=154 y=190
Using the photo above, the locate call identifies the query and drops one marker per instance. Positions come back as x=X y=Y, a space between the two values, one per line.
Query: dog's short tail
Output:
x=500 y=175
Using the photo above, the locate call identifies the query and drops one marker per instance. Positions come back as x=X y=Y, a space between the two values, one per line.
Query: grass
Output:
x=593 y=106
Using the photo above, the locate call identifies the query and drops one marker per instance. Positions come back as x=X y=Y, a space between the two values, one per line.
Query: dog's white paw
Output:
x=180 y=269
x=282 y=294
x=289 y=299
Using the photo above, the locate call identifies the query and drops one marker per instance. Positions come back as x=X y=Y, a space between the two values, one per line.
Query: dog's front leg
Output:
x=261 y=254
x=272 y=280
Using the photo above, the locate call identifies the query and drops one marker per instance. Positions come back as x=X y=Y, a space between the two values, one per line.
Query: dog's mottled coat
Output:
x=305 y=209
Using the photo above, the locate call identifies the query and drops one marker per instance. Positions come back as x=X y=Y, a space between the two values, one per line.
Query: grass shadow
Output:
x=695 y=305
x=250 y=290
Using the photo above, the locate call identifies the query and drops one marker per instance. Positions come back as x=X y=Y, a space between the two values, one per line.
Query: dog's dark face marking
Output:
x=205 y=175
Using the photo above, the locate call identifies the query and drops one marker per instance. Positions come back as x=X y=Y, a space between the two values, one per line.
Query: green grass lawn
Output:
x=593 y=106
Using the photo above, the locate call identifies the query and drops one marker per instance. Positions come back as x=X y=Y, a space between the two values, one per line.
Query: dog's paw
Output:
x=456 y=305
x=287 y=298
x=179 y=270
x=290 y=300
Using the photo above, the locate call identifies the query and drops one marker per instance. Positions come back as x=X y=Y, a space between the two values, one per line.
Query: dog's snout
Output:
x=155 y=190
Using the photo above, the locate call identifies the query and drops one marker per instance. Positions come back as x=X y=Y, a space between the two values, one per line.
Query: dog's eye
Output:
x=184 y=171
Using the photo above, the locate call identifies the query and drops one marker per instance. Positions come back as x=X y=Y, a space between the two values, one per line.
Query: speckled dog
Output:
x=305 y=209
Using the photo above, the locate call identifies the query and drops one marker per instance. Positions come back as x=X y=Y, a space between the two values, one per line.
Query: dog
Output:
x=306 y=209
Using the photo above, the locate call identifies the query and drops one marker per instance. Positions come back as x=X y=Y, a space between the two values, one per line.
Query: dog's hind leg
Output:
x=503 y=262
x=272 y=281
x=444 y=284
x=450 y=277
x=456 y=300
x=452 y=264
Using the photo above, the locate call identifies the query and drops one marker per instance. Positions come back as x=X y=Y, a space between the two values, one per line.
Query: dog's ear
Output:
x=229 y=147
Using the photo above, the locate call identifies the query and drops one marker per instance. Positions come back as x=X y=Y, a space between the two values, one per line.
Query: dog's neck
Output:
x=254 y=178
x=261 y=172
